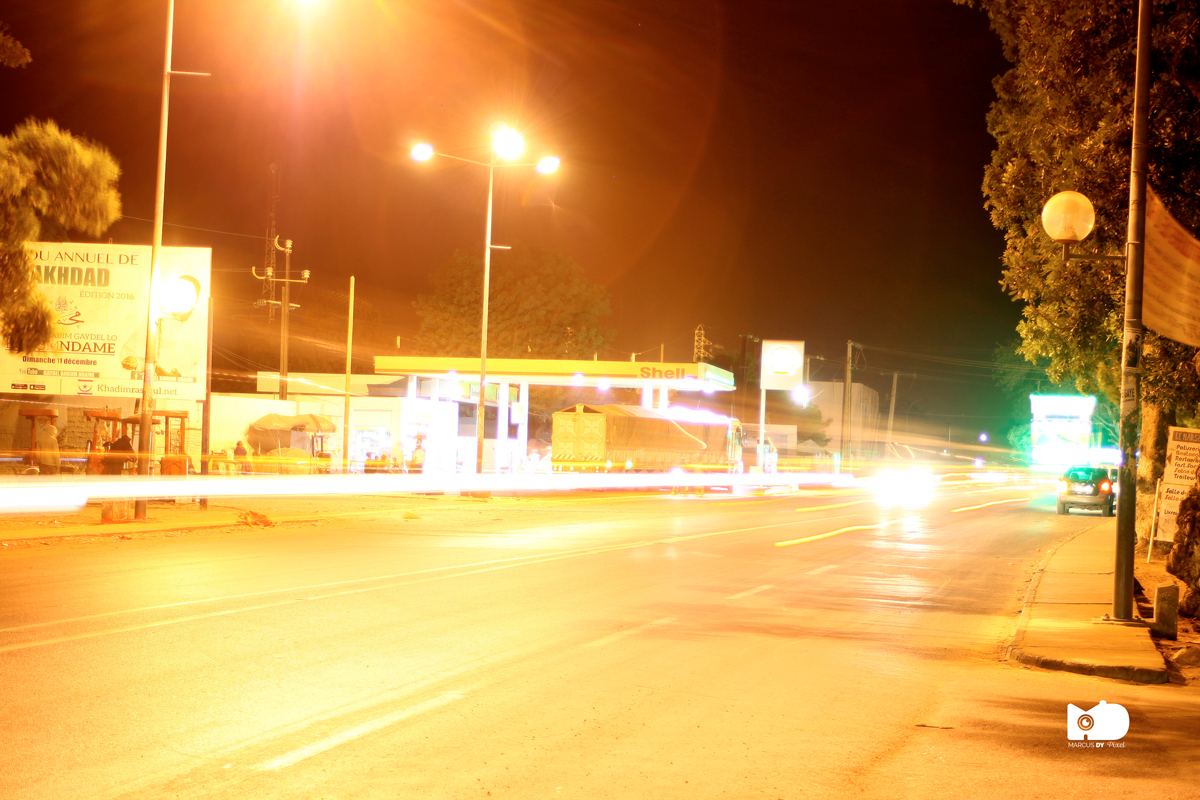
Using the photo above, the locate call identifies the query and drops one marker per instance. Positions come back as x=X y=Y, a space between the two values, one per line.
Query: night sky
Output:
x=788 y=170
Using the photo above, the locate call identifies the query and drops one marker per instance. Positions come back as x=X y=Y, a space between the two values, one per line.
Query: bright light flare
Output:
x=180 y=296
x=422 y=152
x=548 y=164
x=801 y=394
x=911 y=488
x=507 y=143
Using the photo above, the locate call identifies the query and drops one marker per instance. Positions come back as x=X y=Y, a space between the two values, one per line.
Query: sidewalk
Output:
x=1073 y=588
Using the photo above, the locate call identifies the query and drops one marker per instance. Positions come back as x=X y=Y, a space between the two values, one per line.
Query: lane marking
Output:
x=329 y=742
x=827 y=508
x=993 y=503
x=482 y=566
x=839 y=531
x=819 y=570
x=614 y=637
x=749 y=592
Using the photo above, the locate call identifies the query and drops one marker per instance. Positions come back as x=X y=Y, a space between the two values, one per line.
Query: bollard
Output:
x=1166 y=611
x=116 y=510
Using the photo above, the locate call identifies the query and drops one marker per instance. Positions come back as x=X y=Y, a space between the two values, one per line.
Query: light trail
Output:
x=39 y=495
x=993 y=503
x=838 y=532
x=826 y=508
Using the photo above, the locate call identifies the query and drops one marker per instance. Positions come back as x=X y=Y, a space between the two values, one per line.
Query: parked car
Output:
x=1086 y=487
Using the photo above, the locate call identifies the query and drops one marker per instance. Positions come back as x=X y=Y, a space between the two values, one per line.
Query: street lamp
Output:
x=146 y=437
x=507 y=146
x=1131 y=343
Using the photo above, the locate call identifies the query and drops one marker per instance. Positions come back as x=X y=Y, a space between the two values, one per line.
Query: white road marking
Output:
x=819 y=570
x=329 y=742
x=415 y=577
x=749 y=592
x=613 y=637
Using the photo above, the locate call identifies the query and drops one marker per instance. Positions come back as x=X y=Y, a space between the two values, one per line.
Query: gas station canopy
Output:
x=556 y=372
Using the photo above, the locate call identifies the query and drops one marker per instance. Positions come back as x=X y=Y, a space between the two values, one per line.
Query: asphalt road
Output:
x=591 y=646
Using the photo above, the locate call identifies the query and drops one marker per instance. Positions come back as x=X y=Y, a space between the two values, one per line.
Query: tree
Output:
x=1063 y=120
x=541 y=306
x=46 y=175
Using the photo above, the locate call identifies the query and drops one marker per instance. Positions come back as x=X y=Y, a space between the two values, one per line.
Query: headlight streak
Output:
x=993 y=503
x=838 y=532
x=35 y=495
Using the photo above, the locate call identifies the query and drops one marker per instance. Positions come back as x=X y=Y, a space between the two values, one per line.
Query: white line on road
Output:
x=613 y=637
x=749 y=592
x=329 y=742
x=413 y=578
x=819 y=570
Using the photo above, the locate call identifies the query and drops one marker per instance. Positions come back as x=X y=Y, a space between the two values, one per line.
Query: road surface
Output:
x=584 y=646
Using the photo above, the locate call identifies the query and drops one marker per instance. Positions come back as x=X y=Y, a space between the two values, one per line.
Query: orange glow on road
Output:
x=838 y=532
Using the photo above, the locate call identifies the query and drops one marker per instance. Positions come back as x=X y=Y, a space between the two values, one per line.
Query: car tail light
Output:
x=1105 y=487
x=1062 y=487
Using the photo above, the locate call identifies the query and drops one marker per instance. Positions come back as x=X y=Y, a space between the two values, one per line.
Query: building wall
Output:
x=865 y=433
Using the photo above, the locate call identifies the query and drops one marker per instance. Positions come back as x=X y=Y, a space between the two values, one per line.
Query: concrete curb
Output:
x=114 y=528
x=1115 y=671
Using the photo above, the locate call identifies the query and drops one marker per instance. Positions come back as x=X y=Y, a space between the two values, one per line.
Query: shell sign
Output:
x=782 y=365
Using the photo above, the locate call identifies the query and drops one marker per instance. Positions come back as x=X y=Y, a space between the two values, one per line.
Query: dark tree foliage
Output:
x=1062 y=120
x=541 y=306
x=46 y=176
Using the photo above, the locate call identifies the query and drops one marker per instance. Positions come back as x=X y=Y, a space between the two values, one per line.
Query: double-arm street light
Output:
x=507 y=147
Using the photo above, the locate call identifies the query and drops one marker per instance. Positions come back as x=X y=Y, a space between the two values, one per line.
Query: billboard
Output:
x=782 y=365
x=1061 y=428
x=99 y=295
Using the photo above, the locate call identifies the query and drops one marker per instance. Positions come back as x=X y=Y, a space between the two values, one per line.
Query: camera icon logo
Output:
x=1105 y=722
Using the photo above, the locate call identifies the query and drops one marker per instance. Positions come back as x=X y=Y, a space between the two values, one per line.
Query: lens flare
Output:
x=548 y=164
x=422 y=152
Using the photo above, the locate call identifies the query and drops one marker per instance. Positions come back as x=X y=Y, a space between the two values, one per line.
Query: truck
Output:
x=620 y=438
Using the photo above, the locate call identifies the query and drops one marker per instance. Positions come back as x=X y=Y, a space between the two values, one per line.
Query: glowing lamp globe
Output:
x=548 y=164
x=507 y=143
x=422 y=152
x=1068 y=217
x=179 y=297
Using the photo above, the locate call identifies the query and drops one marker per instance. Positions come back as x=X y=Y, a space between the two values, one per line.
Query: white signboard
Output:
x=1183 y=459
x=99 y=297
x=1171 y=274
x=782 y=365
x=1183 y=456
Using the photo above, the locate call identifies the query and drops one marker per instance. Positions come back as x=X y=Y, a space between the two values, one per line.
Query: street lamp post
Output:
x=1068 y=218
x=146 y=434
x=508 y=145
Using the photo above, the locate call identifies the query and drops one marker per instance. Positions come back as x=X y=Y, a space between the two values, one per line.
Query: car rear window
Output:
x=1084 y=475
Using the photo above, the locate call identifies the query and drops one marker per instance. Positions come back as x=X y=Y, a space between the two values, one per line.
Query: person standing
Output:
x=418 y=457
x=241 y=458
x=46 y=443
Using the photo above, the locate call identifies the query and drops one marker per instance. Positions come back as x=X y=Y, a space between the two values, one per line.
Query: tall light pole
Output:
x=1068 y=218
x=145 y=428
x=507 y=146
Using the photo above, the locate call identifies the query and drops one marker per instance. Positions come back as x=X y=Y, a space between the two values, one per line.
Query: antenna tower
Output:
x=700 y=351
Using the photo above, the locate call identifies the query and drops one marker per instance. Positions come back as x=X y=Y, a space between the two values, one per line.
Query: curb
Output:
x=108 y=528
x=1117 y=672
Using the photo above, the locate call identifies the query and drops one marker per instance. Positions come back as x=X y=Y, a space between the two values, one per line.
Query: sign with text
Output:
x=1183 y=459
x=782 y=365
x=99 y=297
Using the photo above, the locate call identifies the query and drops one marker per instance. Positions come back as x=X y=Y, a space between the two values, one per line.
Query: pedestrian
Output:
x=46 y=444
x=241 y=458
x=418 y=458
x=120 y=452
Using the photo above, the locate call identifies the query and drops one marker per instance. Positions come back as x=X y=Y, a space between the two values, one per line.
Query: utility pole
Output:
x=847 y=391
x=206 y=417
x=662 y=353
x=283 y=328
x=887 y=451
x=269 y=255
x=346 y=414
x=286 y=306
